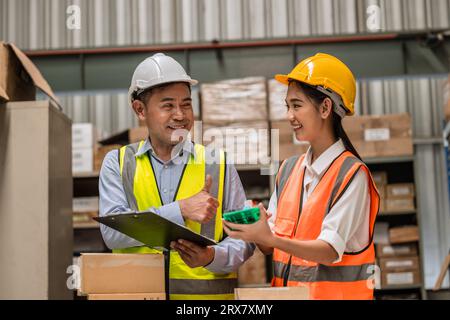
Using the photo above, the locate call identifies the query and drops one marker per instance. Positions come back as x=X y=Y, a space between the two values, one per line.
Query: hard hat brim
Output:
x=282 y=78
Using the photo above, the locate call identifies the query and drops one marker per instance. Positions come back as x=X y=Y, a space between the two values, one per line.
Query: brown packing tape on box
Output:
x=278 y=293
x=128 y=296
x=398 y=278
x=119 y=273
x=19 y=76
x=400 y=190
x=396 y=127
x=389 y=250
x=404 y=234
x=399 y=264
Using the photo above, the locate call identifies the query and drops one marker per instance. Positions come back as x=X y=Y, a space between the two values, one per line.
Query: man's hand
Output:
x=193 y=255
x=201 y=207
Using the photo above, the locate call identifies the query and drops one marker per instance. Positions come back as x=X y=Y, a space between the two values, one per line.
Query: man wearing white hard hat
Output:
x=182 y=181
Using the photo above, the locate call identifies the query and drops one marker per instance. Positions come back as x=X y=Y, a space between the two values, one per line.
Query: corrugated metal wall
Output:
x=41 y=24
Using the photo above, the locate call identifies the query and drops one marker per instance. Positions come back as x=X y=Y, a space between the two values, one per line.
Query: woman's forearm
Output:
x=315 y=250
x=265 y=249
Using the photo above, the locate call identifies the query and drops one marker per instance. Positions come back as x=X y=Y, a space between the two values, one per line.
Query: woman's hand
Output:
x=258 y=232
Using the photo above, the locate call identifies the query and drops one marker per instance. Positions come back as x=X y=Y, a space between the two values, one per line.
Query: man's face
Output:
x=168 y=113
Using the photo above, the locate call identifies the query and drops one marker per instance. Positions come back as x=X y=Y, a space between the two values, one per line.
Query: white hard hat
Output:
x=154 y=71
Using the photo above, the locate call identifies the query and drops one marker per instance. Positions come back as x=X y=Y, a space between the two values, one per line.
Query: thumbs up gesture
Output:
x=201 y=207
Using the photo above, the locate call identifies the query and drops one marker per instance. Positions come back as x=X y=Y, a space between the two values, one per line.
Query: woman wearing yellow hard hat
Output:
x=323 y=211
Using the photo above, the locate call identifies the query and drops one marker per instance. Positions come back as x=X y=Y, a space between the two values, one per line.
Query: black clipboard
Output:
x=152 y=230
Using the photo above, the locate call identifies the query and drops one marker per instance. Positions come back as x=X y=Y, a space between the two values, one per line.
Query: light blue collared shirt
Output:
x=229 y=254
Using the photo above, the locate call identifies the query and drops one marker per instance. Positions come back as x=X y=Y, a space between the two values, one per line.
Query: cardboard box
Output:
x=276 y=293
x=381 y=233
x=235 y=100
x=288 y=145
x=380 y=136
x=126 y=137
x=398 y=278
x=83 y=135
x=399 y=264
x=119 y=273
x=244 y=142
x=400 y=204
x=81 y=219
x=85 y=204
x=447 y=99
x=400 y=190
x=382 y=192
x=128 y=296
x=253 y=271
x=400 y=250
x=19 y=77
x=404 y=234
x=82 y=160
x=277 y=100
x=100 y=154
x=380 y=178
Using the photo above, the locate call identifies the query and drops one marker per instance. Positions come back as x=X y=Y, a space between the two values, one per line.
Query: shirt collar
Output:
x=324 y=161
x=187 y=146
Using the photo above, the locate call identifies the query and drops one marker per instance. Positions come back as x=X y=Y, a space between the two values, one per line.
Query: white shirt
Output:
x=346 y=227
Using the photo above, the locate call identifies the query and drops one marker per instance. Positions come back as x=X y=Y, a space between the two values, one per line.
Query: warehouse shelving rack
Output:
x=401 y=169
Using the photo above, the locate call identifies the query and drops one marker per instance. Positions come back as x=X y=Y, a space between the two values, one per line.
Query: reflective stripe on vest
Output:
x=325 y=273
x=142 y=193
x=348 y=279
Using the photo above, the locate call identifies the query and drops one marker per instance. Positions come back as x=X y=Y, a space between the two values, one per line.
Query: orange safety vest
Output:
x=350 y=279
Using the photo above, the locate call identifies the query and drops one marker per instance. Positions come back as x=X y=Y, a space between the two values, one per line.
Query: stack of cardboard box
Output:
x=380 y=136
x=380 y=179
x=286 y=145
x=399 y=264
x=122 y=276
x=100 y=154
x=234 y=114
x=277 y=101
x=83 y=141
x=447 y=99
x=84 y=209
x=400 y=197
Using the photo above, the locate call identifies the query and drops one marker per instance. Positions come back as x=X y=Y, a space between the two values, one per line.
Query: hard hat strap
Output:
x=338 y=104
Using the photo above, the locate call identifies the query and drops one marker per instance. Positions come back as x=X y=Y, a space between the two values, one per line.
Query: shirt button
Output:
x=165 y=190
x=165 y=166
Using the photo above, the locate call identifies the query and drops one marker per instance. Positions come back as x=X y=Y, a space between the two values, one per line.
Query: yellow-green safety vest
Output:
x=142 y=193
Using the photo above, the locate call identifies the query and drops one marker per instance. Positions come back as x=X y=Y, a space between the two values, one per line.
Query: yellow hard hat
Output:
x=326 y=72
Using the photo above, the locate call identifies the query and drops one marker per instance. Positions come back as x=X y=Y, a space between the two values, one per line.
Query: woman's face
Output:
x=306 y=121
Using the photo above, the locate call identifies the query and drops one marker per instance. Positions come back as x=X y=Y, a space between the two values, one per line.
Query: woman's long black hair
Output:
x=317 y=98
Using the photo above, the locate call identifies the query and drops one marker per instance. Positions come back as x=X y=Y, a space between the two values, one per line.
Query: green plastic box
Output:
x=246 y=216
